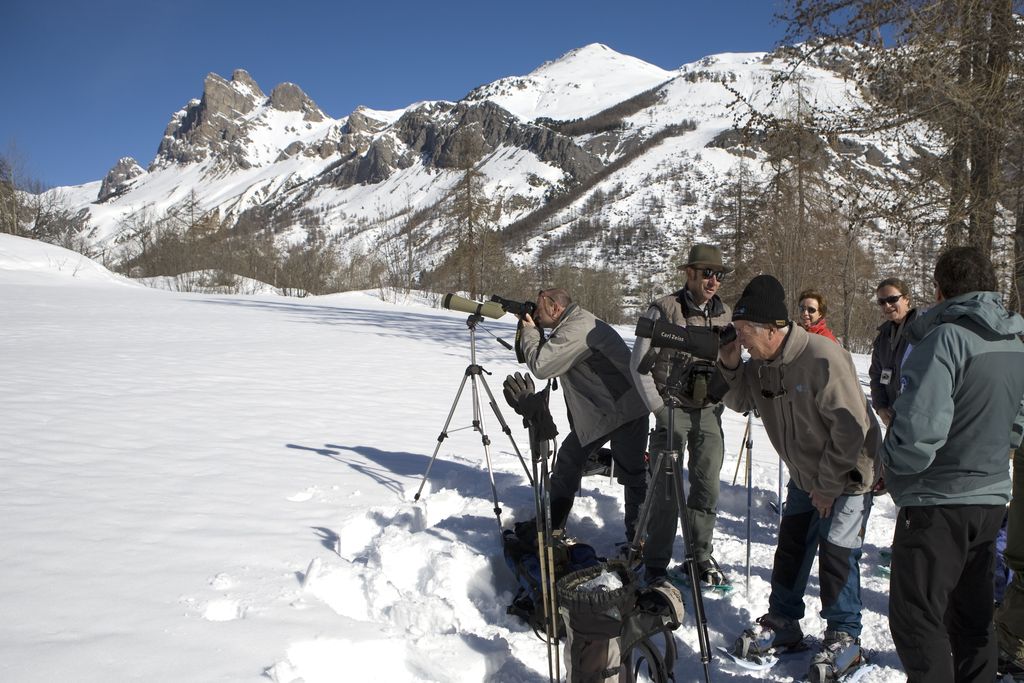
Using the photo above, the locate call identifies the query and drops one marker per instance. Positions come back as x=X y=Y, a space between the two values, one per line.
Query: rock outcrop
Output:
x=289 y=97
x=213 y=125
x=117 y=180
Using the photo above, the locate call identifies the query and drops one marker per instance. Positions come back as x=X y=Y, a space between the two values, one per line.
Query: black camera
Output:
x=515 y=307
x=695 y=379
x=701 y=342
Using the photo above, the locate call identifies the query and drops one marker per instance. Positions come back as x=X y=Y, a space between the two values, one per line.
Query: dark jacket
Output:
x=961 y=405
x=592 y=361
x=887 y=354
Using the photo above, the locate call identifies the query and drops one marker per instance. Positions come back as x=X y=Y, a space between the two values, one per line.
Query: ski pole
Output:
x=545 y=541
x=780 y=490
x=749 y=442
x=739 y=456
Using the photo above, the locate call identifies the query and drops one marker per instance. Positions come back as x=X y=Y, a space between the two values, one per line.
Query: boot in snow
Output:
x=840 y=655
x=770 y=634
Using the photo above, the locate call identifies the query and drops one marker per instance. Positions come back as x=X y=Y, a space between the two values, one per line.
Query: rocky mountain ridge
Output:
x=592 y=158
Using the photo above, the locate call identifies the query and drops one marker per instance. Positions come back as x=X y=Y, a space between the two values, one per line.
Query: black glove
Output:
x=524 y=398
x=516 y=388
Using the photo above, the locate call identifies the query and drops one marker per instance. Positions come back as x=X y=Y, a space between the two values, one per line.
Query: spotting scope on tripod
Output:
x=475 y=375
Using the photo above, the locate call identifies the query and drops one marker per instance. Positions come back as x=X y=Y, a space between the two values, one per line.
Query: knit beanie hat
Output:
x=763 y=301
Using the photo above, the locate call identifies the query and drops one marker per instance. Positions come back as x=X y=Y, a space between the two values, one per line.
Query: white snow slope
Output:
x=220 y=488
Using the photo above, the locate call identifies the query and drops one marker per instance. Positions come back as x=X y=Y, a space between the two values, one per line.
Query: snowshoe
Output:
x=711 y=576
x=840 y=658
x=885 y=560
x=760 y=646
x=755 y=663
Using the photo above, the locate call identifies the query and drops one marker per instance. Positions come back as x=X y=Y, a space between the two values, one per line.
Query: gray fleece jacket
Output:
x=814 y=412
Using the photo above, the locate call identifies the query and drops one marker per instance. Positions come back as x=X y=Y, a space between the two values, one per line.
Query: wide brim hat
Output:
x=706 y=255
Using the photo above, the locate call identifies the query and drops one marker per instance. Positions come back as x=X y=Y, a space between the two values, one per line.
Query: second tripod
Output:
x=667 y=464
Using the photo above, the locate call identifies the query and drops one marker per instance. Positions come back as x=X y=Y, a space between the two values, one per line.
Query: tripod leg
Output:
x=691 y=567
x=478 y=424
x=552 y=595
x=505 y=428
x=637 y=542
x=443 y=435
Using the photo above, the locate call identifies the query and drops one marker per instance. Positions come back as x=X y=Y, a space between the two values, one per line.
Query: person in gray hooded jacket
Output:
x=592 y=361
x=958 y=415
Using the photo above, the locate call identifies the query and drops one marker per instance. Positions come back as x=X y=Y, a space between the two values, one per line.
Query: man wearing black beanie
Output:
x=806 y=390
x=763 y=301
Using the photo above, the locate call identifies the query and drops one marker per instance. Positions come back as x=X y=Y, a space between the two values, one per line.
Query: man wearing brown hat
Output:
x=697 y=422
x=806 y=390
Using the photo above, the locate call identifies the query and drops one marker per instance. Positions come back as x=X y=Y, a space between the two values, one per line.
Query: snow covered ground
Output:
x=199 y=488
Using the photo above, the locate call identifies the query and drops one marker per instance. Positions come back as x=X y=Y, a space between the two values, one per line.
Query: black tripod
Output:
x=475 y=372
x=667 y=465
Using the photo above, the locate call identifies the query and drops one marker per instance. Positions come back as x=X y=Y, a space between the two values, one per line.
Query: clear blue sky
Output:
x=86 y=83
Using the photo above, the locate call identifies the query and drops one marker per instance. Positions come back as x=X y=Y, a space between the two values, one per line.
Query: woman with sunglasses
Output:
x=812 y=313
x=890 y=346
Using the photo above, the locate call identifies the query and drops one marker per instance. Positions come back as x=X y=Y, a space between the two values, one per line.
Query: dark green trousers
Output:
x=699 y=432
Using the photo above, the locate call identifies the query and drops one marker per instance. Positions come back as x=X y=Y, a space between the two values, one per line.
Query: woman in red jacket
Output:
x=812 y=313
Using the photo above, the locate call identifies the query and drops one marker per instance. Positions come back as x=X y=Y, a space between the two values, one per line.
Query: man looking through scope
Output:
x=592 y=361
x=805 y=388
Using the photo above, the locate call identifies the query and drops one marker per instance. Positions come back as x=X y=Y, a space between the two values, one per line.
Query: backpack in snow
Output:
x=612 y=623
x=520 y=550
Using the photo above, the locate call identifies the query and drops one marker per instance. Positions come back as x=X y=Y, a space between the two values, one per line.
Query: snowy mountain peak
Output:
x=597 y=61
x=117 y=180
x=578 y=84
x=583 y=149
x=236 y=124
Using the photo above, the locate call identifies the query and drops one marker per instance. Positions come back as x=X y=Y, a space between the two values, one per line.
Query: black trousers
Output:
x=628 y=444
x=940 y=598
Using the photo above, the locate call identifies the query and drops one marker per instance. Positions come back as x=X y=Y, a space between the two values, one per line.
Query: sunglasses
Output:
x=891 y=300
x=708 y=272
x=809 y=309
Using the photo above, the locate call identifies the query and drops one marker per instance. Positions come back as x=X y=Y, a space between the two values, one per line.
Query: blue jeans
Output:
x=837 y=541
